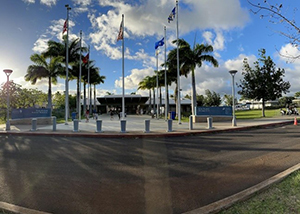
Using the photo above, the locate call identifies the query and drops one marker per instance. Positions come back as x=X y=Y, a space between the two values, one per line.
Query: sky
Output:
x=228 y=25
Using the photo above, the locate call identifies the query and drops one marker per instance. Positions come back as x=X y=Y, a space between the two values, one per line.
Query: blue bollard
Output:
x=98 y=126
x=147 y=126
x=75 y=125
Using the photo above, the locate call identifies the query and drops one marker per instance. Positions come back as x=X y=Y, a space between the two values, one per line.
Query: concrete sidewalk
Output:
x=135 y=126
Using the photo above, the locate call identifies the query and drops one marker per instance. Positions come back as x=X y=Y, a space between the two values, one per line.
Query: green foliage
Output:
x=264 y=81
x=228 y=100
x=284 y=101
x=212 y=98
x=297 y=94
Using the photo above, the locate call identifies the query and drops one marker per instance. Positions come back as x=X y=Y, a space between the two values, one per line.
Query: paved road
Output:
x=140 y=175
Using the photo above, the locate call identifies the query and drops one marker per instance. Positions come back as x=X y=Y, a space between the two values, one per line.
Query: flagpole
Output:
x=166 y=84
x=67 y=69
x=80 y=70
x=123 y=84
x=178 y=74
x=157 y=108
x=89 y=82
x=90 y=86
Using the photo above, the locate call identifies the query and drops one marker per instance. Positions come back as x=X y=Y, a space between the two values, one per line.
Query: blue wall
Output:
x=214 y=111
x=30 y=113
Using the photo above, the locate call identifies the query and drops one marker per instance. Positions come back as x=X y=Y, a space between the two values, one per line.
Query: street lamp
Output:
x=7 y=73
x=233 y=72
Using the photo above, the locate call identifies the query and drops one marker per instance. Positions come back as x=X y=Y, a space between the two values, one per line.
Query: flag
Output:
x=159 y=43
x=120 y=35
x=65 y=27
x=172 y=15
x=85 y=59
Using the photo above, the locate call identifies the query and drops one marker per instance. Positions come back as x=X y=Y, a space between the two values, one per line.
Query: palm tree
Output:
x=190 y=59
x=96 y=79
x=59 y=49
x=148 y=83
x=43 y=69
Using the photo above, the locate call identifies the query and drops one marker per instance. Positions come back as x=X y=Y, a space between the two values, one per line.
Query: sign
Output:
x=30 y=113
x=214 y=111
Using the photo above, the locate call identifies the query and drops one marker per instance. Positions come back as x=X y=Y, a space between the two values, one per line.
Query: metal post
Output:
x=147 y=126
x=233 y=72
x=123 y=126
x=75 y=128
x=67 y=69
x=191 y=122
x=209 y=123
x=170 y=125
x=80 y=71
x=99 y=126
x=54 y=123
x=7 y=73
x=178 y=72
x=33 y=124
x=157 y=108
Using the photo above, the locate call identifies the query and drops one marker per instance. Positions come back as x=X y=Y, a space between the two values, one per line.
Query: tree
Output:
x=264 y=81
x=146 y=84
x=278 y=14
x=42 y=68
x=297 y=94
x=228 y=100
x=190 y=59
x=212 y=98
x=285 y=101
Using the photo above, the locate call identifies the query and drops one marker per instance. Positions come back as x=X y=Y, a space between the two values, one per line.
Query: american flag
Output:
x=120 y=35
x=86 y=59
x=65 y=27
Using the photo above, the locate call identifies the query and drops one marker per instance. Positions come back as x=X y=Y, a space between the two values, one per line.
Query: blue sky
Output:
x=228 y=25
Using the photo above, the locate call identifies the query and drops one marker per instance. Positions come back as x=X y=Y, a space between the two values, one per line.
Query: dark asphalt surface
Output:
x=151 y=175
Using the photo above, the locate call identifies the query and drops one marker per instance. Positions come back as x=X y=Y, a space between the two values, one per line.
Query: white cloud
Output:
x=288 y=53
x=132 y=80
x=49 y=3
x=29 y=1
x=40 y=45
x=145 y=20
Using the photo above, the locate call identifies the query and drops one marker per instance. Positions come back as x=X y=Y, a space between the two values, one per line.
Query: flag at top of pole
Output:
x=120 y=35
x=172 y=15
x=159 y=43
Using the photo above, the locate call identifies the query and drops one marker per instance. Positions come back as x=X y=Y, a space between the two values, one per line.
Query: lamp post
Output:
x=233 y=72
x=7 y=73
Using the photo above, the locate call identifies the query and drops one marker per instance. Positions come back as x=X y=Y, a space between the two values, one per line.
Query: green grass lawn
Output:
x=281 y=198
x=250 y=114
x=254 y=114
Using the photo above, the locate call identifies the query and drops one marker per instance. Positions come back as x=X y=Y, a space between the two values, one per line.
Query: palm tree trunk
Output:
x=154 y=101
x=176 y=97
x=194 y=94
x=95 y=99
x=50 y=95
x=160 y=100
x=77 y=96
x=84 y=98
x=150 y=101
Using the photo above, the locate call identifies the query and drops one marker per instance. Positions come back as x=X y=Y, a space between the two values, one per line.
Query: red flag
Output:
x=85 y=59
x=120 y=35
x=65 y=27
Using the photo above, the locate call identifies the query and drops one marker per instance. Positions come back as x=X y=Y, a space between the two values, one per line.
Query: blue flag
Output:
x=159 y=43
x=172 y=15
